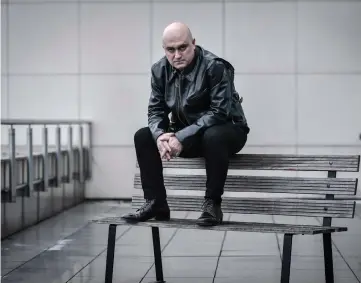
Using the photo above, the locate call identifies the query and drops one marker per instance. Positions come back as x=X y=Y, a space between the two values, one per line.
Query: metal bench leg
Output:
x=157 y=255
x=286 y=258
x=327 y=251
x=110 y=253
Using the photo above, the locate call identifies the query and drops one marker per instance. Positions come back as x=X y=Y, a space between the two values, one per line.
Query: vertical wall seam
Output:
x=296 y=78
x=223 y=28
x=79 y=59
x=7 y=62
x=151 y=12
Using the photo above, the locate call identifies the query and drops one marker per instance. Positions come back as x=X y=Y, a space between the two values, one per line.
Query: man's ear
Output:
x=194 y=41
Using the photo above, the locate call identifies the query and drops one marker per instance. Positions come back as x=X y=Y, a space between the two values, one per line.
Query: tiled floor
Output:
x=67 y=248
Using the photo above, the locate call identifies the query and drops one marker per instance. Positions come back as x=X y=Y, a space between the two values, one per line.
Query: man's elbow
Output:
x=221 y=114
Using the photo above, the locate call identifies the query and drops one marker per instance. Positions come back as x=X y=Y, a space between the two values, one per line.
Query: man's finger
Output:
x=167 y=155
x=163 y=152
x=166 y=136
x=166 y=146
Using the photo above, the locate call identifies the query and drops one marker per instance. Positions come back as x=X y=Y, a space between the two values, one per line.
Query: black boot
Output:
x=211 y=215
x=150 y=209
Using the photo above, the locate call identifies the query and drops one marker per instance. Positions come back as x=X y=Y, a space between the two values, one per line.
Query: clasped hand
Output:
x=168 y=146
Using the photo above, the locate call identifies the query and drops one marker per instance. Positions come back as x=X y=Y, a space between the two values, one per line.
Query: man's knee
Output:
x=222 y=138
x=143 y=136
x=213 y=136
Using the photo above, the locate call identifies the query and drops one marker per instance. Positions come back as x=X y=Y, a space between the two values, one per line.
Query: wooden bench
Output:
x=321 y=197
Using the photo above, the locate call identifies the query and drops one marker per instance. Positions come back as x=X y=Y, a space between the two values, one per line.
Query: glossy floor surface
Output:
x=66 y=248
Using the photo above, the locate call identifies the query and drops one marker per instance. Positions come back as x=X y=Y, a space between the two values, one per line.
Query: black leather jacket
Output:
x=199 y=97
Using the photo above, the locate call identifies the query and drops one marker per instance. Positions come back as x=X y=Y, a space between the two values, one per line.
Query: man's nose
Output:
x=177 y=54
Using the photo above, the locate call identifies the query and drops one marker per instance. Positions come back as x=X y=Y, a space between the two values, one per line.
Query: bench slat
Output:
x=263 y=184
x=269 y=206
x=227 y=226
x=349 y=163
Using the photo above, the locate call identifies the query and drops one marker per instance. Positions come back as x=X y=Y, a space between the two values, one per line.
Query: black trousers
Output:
x=216 y=145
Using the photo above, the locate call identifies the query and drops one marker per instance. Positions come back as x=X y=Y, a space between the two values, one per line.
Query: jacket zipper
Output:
x=178 y=106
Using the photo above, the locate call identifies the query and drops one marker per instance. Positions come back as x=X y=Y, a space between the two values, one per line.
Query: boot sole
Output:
x=208 y=223
x=158 y=218
x=162 y=218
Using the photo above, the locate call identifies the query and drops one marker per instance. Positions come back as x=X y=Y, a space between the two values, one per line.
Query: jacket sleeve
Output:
x=220 y=105
x=158 y=120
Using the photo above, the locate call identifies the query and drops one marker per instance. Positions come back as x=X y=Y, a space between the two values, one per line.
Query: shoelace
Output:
x=208 y=207
x=144 y=206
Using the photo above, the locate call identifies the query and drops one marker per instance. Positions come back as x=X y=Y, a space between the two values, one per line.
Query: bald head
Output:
x=179 y=45
x=177 y=31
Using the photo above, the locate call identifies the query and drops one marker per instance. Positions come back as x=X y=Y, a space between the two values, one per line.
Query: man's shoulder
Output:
x=215 y=62
x=216 y=65
x=158 y=68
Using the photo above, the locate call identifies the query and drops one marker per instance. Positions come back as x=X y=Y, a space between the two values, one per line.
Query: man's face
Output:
x=179 y=53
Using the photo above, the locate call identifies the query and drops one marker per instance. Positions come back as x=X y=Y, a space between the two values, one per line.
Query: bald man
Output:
x=207 y=120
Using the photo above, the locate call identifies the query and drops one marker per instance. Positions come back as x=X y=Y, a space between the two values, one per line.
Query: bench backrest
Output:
x=315 y=196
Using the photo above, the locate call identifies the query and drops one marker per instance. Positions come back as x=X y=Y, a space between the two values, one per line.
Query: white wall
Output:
x=298 y=67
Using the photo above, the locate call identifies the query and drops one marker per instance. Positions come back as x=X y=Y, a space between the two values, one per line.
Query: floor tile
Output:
x=355 y=264
x=348 y=245
x=94 y=234
x=5 y=271
x=28 y=241
x=273 y=276
x=132 y=250
x=254 y=276
x=39 y=275
x=318 y=275
x=10 y=264
x=195 y=243
x=312 y=263
x=125 y=268
x=187 y=267
x=307 y=245
x=237 y=267
x=180 y=280
x=21 y=255
x=78 y=250
x=56 y=261
x=143 y=235
x=79 y=279
x=146 y=280
x=247 y=243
